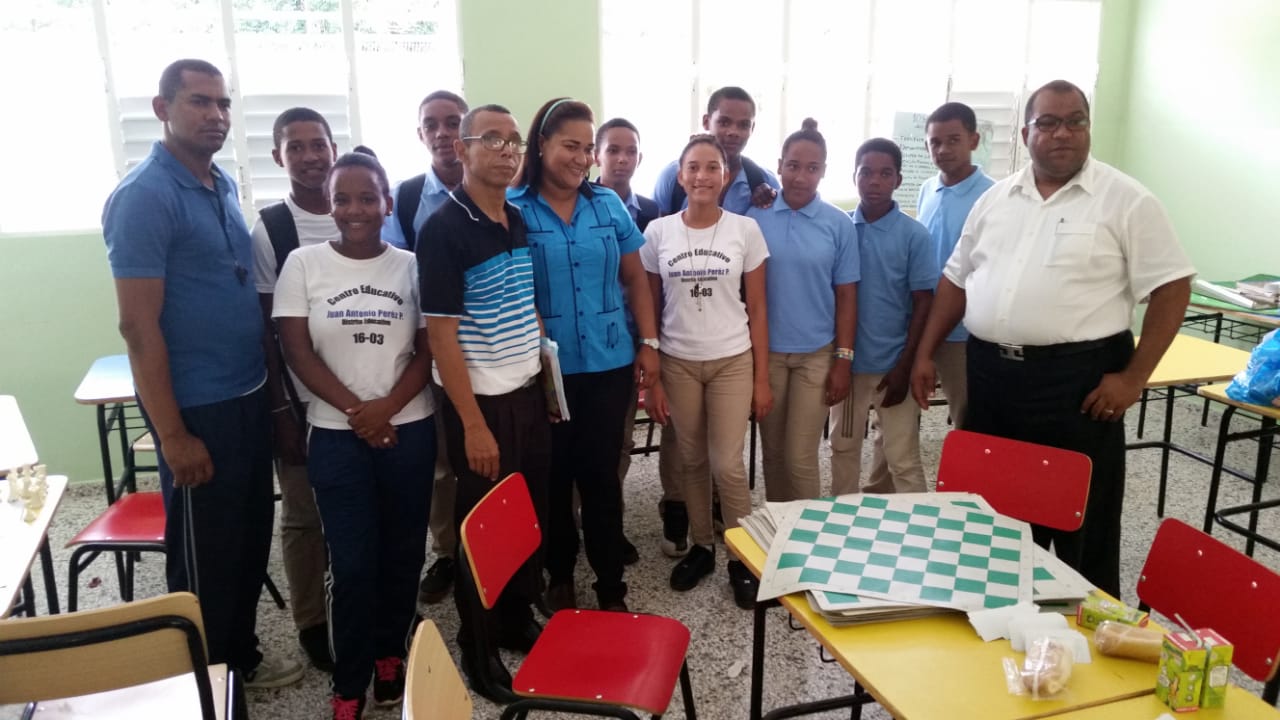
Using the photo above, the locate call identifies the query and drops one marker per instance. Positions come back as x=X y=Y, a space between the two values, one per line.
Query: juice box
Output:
x=1181 y=678
x=1218 y=653
x=1095 y=609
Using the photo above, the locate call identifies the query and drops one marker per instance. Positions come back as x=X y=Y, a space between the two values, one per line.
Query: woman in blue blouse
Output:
x=812 y=281
x=584 y=247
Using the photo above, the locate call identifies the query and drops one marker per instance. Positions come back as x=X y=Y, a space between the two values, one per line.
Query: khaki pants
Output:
x=950 y=361
x=710 y=404
x=898 y=468
x=791 y=433
x=302 y=546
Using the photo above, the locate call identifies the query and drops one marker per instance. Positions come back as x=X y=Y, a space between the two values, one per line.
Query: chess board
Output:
x=901 y=549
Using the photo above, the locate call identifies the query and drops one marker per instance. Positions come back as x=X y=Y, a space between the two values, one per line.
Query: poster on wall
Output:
x=917 y=167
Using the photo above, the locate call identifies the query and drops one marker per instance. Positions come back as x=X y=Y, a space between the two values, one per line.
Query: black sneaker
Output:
x=675 y=529
x=315 y=643
x=436 y=583
x=388 y=681
x=561 y=596
x=744 y=584
x=630 y=555
x=696 y=565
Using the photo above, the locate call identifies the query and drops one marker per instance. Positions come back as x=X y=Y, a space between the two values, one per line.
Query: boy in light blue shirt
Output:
x=899 y=272
x=951 y=135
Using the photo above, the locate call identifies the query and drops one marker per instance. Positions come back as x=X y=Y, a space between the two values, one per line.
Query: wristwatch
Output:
x=651 y=342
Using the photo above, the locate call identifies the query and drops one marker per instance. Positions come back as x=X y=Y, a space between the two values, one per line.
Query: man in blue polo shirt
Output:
x=181 y=256
x=477 y=295
x=899 y=272
x=439 y=117
x=951 y=135
x=731 y=117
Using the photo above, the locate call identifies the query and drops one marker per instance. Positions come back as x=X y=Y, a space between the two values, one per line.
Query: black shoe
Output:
x=436 y=583
x=744 y=584
x=315 y=643
x=521 y=640
x=675 y=529
x=491 y=681
x=388 y=681
x=630 y=555
x=696 y=565
x=561 y=596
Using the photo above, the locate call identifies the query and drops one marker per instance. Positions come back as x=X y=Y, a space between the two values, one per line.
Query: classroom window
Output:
x=364 y=64
x=853 y=65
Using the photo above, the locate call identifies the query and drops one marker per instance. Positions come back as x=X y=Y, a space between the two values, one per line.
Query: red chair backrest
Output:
x=1035 y=483
x=499 y=534
x=1211 y=585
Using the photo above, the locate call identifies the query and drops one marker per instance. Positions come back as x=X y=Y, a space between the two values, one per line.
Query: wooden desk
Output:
x=1188 y=362
x=935 y=667
x=173 y=697
x=20 y=542
x=109 y=387
x=1241 y=705
x=1263 y=434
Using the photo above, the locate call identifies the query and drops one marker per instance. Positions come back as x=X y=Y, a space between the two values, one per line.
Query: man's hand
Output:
x=482 y=451
x=370 y=417
x=384 y=439
x=655 y=403
x=646 y=367
x=1112 y=397
x=763 y=195
x=761 y=399
x=188 y=459
x=838 y=380
x=924 y=378
x=289 y=438
x=895 y=384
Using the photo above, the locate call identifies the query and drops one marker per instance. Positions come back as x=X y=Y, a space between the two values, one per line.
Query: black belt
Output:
x=1012 y=351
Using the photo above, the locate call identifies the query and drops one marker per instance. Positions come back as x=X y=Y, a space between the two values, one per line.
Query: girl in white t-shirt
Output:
x=706 y=271
x=350 y=324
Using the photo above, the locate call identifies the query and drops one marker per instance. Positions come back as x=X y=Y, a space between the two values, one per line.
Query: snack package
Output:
x=1181 y=677
x=1120 y=640
x=1097 y=609
x=1044 y=672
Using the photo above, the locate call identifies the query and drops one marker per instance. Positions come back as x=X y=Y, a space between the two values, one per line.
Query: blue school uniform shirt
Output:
x=897 y=259
x=434 y=193
x=811 y=250
x=161 y=222
x=942 y=210
x=575 y=275
x=736 y=200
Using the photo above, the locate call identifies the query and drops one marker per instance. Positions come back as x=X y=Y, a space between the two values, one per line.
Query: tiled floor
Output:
x=720 y=652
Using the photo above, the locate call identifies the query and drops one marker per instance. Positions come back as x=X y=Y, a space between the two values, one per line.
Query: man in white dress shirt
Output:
x=1048 y=270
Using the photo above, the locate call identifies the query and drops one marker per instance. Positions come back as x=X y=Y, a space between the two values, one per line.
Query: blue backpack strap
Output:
x=407 y=198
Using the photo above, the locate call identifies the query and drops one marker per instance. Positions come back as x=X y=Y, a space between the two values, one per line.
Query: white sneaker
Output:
x=273 y=672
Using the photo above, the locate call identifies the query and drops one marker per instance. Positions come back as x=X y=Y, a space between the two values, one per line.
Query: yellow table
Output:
x=935 y=667
x=1189 y=361
x=1241 y=705
x=1264 y=434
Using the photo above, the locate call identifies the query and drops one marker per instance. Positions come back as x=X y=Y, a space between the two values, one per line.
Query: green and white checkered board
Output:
x=902 y=550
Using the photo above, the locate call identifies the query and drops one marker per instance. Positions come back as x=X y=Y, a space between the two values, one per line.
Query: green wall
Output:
x=1204 y=127
x=1182 y=102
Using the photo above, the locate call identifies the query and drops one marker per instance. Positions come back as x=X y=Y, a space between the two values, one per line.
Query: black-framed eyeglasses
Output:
x=1051 y=123
x=495 y=142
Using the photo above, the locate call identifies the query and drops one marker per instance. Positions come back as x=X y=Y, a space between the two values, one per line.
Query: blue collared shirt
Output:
x=433 y=194
x=575 y=274
x=162 y=222
x=897 y=259
x=943 y=210
x=811 y=250
x=736 y=200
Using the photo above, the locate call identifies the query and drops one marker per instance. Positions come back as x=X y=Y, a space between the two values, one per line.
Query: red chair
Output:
x=585 y=661
x=1035 y=483
x=1211 y=585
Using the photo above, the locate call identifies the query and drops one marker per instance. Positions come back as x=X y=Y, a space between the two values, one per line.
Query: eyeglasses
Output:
x=495 y=142
x=1051 y=123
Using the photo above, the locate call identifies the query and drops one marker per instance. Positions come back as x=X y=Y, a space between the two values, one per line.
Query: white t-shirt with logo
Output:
x=363 y=316
x=313 y=229
x=703 y=314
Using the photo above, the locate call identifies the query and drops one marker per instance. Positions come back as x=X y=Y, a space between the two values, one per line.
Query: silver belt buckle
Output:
x=1009 y=351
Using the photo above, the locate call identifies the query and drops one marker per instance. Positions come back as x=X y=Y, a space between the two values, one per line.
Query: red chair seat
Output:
x=134 y=518
x=626 y=659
